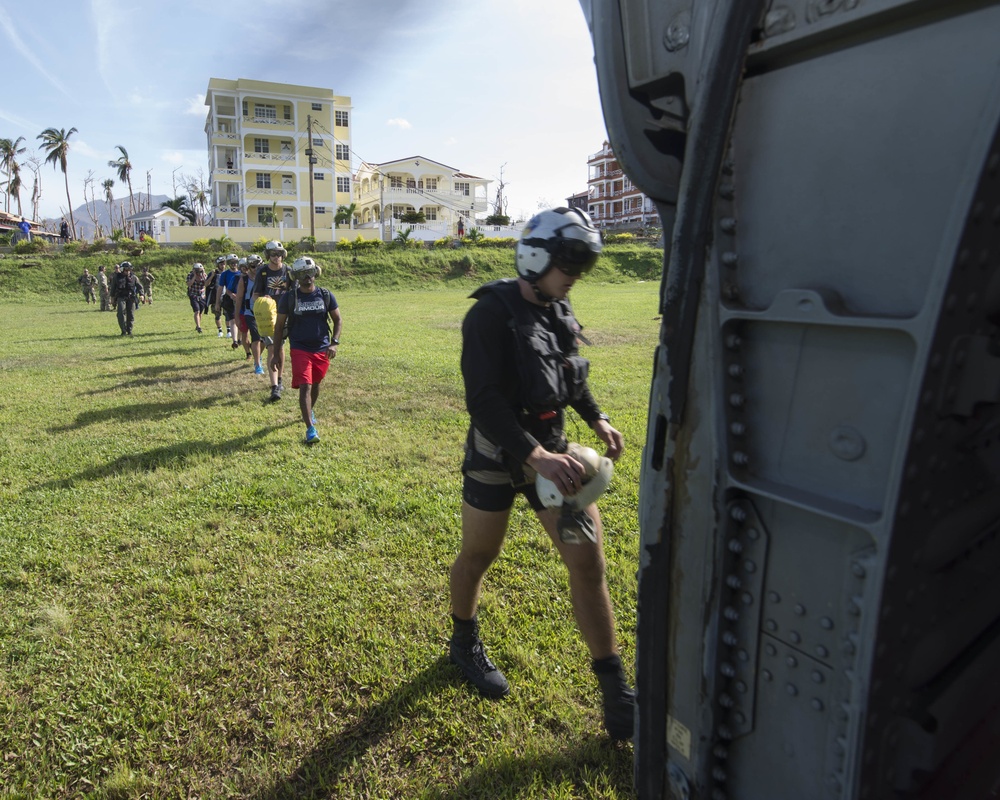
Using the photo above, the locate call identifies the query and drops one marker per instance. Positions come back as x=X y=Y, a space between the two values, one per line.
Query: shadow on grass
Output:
x=168 y=457
x=148 y=412
x=321 y=769
x=177 y=351
x=510 y=777
x=150 y=376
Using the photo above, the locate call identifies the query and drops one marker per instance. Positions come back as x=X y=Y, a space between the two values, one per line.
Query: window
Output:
x=317 y=106
x=263 y=180
x=320 y=209
x=318 y=142
x=320 y=176
x=288 y=112
x=264 y=216
x=262 y=111
x=395 y=182
x=431 y=183
x=246 y=109
x=343 y=152
x=430 y=214
x=261 y=145
x=462 y=188
x=340 y=118
x=343 y=184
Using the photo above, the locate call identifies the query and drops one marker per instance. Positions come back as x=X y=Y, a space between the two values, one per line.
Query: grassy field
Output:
x=195 y=604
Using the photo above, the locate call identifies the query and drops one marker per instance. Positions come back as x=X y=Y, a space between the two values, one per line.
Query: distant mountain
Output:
x=85 y=223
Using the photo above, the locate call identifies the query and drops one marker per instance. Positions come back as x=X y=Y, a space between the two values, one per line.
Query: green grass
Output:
x=196 y=604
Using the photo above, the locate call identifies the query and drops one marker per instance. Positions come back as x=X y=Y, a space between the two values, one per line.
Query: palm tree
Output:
x=109 y=197
x=55 y=142
x=179 y=204
x=10 y=149
x=346 y=214
x=14 y=188
x=124 y=167
x=200 y=200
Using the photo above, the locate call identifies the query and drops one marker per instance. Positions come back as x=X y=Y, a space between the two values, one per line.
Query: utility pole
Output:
x=312 y=160
x=149 y=189
x=381 y=207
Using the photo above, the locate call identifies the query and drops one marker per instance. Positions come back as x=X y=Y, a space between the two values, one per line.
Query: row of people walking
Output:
x=262 y=302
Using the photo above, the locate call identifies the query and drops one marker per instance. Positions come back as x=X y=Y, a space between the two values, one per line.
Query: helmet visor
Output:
x=573 y=257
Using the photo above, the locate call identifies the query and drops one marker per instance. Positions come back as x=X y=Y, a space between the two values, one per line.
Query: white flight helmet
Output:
x=274 y=246
x=254 y=260
x=599 y=470
x=304 y=267
x=566 y=235
x=232 y=258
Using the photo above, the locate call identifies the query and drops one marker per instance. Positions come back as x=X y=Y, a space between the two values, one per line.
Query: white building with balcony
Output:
x=384 y=192
x=262 y=137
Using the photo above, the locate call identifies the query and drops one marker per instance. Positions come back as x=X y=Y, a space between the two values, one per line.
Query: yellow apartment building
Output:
x=261 y=138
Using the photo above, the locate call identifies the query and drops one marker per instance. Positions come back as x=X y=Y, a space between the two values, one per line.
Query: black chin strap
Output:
x=542 y=298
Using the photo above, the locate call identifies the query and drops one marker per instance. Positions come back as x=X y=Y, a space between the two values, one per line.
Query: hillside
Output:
x=40 y=276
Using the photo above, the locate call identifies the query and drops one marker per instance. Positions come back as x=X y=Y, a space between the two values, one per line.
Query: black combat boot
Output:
x=469 y=655
x=619 y=698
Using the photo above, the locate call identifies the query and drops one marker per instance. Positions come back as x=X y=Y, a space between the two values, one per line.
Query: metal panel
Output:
x=820 y=549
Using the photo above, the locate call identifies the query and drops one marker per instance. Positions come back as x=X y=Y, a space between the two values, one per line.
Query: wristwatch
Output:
x=334 y=341
x=603 y=416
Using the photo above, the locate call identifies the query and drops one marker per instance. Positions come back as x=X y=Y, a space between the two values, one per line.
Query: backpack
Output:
x=265 y=312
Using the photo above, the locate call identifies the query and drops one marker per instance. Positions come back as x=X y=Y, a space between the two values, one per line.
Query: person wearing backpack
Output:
x=270 y=281
x=308 y=311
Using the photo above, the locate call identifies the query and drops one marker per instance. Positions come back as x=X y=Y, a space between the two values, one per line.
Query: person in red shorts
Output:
x=308 y=311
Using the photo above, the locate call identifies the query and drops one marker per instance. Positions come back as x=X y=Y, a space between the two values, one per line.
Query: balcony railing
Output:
x=278 y=123
x=274 y=190
x=250 y=155
x=228 y=174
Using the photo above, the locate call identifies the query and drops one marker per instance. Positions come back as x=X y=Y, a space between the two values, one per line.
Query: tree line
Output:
x=54 y=149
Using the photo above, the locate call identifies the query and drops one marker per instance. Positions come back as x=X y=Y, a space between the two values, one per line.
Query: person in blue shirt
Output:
x=308 y=311
x=225 y=296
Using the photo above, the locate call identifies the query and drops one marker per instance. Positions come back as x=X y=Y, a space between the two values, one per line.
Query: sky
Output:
x=490 y=87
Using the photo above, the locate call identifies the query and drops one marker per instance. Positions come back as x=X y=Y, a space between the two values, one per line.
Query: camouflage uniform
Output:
x=103 y=288
x=146 y=279
x=87 y=282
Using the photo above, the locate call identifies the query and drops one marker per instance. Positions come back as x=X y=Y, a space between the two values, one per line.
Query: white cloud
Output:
x=80 y=148
x=398 y=122
x=196 y=106
x=175 y=157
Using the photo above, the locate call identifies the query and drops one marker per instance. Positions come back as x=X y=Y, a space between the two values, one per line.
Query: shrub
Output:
x=201 y=245
x=307 y=244
x=498 y=243
x=497 y=219
x=619 y=238
x=344 y=244
x=5 y=239
x=73 y=246
x=413 y=217
x=474 y=235
x=443 y=243
x=36 y=245
x=367 y=244
x=225 y=244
